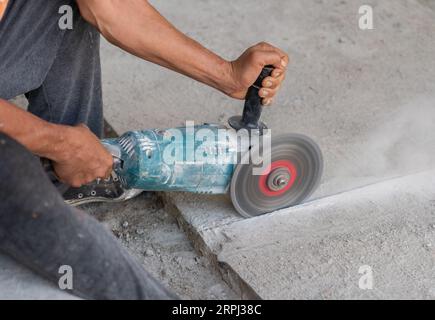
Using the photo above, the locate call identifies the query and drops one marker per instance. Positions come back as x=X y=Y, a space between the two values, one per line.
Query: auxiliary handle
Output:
x=250 y=119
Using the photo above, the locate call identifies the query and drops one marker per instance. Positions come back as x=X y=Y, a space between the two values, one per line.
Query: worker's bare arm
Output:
x=138 y=28
x=77 y=154
x=40 y=137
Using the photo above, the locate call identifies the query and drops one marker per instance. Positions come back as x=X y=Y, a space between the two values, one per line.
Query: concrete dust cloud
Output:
x=400 y=145
x=403 y=145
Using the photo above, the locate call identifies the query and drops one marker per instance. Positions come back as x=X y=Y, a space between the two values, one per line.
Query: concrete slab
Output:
x=367 y=98
x=152 y=236
x=315 y=251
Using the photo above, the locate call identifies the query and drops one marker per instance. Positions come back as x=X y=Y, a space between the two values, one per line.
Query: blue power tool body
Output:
x=154 y=160
x=178 y=160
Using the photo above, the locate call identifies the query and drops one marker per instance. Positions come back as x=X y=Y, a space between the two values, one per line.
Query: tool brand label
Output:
x=214 y=146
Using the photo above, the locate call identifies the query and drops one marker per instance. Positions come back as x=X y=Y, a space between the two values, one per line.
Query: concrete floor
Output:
x=367 y=98
x=316 y=250
x=154 y=238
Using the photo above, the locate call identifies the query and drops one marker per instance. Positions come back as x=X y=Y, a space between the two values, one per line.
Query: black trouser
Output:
x=59 y=71
x=39 y=230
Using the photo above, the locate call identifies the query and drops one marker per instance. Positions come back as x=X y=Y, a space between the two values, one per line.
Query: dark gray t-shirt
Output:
x=58 y=70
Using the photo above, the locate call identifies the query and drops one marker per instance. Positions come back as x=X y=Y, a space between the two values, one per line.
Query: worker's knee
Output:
x=13 y=154
x=16 y=162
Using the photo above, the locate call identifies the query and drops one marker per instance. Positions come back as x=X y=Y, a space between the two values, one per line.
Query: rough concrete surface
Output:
x=149 y=233
x=367 y=98
x=153 y=237
x=314 y=251
x=364 y=96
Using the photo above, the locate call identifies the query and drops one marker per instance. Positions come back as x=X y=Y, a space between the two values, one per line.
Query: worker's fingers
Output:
x=103 y=172
x=265 y=93
x=108 y=173
x=268 y=47
x=76 y=184
x=83 y=125
x=106 y=167
x=271 y=55
x=269 y=83
x=265 y=58
x=89 y=178
x=268 y=93
x=273 y=83
x=77 y=181
x=284 y=57
x=278 y=72
x=267 y=102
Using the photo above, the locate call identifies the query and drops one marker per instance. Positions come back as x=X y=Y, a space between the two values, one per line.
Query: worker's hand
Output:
x=81 y=158
x=246 y=69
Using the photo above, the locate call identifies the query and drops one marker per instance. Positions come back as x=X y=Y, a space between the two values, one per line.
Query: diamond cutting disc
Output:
x=293 y=175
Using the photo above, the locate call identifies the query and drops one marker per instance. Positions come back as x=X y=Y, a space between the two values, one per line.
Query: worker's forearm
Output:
x=40 y=137
x=138 y=28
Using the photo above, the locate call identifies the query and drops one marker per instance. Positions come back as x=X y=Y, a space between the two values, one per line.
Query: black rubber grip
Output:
x=253 y=108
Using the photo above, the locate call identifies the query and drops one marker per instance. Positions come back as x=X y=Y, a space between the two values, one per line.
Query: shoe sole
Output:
x=128 y=195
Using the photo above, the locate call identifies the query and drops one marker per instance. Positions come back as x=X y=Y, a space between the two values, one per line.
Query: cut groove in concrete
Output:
x=315 y=250
x=201 y=245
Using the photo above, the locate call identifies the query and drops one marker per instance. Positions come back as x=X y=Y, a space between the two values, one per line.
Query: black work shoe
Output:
x=101 y=190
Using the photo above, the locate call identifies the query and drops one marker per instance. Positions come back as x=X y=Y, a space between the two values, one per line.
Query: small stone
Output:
x=149 y=252
x=125 y=224
x=163 y=273
x=140 y=231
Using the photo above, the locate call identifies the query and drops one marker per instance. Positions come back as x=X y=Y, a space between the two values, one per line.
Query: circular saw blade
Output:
x=293 y=175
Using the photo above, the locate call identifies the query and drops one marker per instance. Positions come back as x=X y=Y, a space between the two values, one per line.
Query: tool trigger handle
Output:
x=253 y=108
